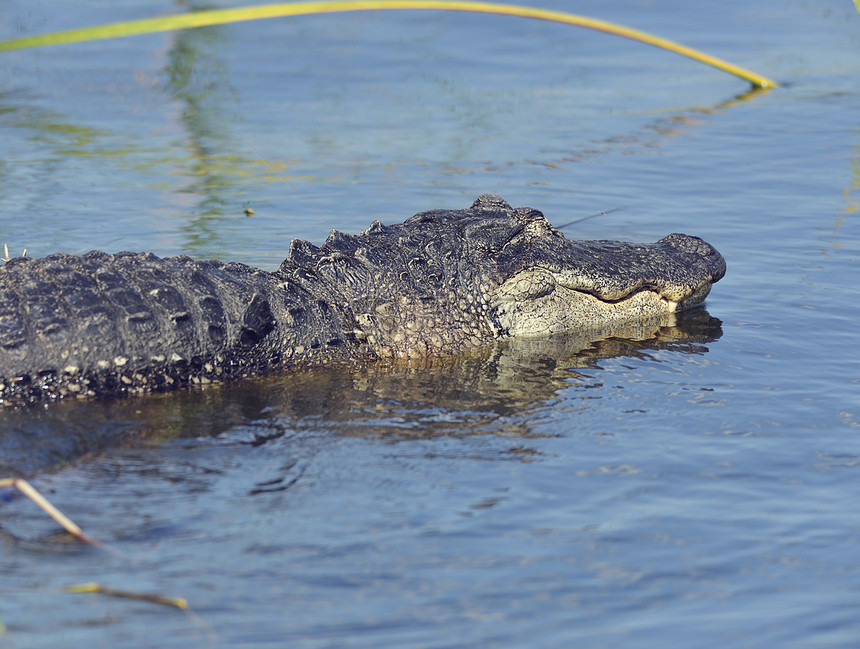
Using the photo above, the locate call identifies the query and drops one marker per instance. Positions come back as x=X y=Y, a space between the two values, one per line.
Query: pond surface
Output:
x=688 y=482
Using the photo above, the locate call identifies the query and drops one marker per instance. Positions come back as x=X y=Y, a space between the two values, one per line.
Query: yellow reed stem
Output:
x=220 y=16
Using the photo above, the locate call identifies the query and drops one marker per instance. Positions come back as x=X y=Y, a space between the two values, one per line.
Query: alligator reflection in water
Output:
x=489 y=391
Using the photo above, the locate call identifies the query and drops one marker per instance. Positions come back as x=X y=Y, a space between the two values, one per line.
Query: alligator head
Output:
x=446 y=280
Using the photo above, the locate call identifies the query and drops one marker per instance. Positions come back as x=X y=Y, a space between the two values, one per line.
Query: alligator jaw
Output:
x=563 y=310
x=537 y=302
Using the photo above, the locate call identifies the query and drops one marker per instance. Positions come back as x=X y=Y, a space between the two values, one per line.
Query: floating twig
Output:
x=67 y=524
x=92 y=587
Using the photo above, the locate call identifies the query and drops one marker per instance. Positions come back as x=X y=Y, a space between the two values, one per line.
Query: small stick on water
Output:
x=176 y=602
x=67 y=524
x=92 y=587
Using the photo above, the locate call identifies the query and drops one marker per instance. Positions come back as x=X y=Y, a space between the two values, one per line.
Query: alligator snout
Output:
x=695 y=246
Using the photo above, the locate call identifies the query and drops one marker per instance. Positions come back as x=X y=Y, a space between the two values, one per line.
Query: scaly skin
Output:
x=442 y=282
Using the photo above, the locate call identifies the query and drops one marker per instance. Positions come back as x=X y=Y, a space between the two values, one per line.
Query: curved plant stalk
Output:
x=220 y=16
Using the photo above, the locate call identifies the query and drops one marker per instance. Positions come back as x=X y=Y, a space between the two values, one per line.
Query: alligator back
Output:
x=100 y=323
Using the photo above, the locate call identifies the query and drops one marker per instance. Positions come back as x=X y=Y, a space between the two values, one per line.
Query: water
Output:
x=689 y=483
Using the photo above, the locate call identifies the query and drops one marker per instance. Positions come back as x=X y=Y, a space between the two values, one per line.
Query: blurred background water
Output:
x=692 y=482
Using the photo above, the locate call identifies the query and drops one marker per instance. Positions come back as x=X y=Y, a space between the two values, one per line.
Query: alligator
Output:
x=442 y=282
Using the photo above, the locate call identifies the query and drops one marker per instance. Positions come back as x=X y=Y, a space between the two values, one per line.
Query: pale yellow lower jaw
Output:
x=564 y=310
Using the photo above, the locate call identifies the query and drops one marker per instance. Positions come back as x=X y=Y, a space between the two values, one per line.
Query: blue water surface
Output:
x=692 y=483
